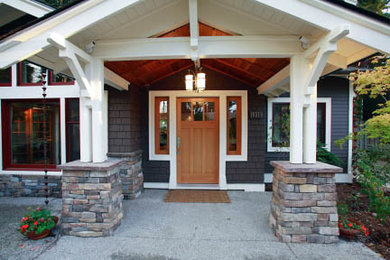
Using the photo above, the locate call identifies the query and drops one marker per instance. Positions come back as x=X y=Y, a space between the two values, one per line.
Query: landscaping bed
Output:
x=379 y=237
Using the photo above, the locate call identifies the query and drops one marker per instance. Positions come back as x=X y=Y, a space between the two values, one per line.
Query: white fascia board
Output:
x=34 y=39
x=279 y=79
x=29 y=7
x=327 y=16
x=114 y=80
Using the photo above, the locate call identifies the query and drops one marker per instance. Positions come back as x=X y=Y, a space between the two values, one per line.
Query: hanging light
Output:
x=189 y=81
x=195 y=80
x=201 y=81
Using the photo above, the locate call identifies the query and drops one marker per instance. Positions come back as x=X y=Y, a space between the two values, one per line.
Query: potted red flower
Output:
x=350 y=228
x=37 y=223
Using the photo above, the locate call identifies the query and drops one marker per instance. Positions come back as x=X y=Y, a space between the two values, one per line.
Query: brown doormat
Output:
x=197 y=196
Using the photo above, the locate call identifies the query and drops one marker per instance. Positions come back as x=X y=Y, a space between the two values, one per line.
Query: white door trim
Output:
x=223 y=157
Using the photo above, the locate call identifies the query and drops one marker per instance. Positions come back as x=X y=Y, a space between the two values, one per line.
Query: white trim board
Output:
x=328 y=115
x=223 y=158
x=30 y=173
x=248 y=187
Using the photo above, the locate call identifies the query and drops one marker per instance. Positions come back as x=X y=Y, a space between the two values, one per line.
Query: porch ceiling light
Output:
x=195 y=80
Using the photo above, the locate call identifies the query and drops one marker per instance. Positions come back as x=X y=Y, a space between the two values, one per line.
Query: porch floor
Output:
x=153 y=229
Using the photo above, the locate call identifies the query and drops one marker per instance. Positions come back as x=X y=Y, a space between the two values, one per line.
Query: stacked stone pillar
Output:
x=304 y=202
x=92 y=198
x=131 y=173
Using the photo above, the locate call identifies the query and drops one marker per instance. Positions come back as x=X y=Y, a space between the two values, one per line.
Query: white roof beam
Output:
x=194 y=30
x=209 y=47
x=114 y=80
x=279 y=79
x=327 y=16
x=327 y=46
x=29 y=7
x=34 y=39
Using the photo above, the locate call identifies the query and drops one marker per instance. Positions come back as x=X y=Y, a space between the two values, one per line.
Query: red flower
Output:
x=36 y=223
x=42 y=220
x=24 y=219
x=25 y=226
x=350 y=224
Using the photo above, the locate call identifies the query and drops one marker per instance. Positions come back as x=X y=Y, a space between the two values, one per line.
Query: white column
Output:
x=298 y=71
x=99 y=137
x=85 y=130
x=63 y=130
x=310 y=129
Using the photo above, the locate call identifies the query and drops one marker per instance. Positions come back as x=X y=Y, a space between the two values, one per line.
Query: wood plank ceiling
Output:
x=252 y=71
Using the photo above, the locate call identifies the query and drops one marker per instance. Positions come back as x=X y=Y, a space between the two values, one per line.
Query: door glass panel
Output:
x=210 y=111
x=232 y=125
x=198 y=111
x=186 y=111
x=163 y=125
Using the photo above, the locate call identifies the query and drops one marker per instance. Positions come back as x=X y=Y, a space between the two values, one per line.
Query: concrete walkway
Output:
x=152 y=229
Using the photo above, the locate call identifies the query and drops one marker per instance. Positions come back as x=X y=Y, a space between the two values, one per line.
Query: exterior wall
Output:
x=337 y=89
x=124 y=119
x=236 y=172
x=29 y=186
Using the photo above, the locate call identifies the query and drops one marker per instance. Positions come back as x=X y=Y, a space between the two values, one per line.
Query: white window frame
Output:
x=328 y=120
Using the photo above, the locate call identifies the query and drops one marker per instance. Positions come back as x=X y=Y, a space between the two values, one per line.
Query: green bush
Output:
x=372 y=172
x=325 y=156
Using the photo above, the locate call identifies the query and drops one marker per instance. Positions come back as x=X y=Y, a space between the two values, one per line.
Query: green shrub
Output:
x=325 y=156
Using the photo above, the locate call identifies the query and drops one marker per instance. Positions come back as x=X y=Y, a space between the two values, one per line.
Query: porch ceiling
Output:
x=251 y=71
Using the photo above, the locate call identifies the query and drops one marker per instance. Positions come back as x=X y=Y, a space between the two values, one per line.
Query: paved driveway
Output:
x=153 y=229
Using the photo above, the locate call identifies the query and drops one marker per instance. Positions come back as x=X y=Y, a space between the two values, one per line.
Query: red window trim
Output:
x=67 y=122
x=20 y=81
x=238 y=150
x=6 y=138
x=7 y=84
x=58 y=83
x=157 y=100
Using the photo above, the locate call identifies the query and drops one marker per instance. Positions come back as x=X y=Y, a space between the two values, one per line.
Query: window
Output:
x=30 y=74
x=279 y=123
x=234 y=125
x=23 y=134
x=162 y=125
x=6 y=77
x=72 y=129
x=60 y=79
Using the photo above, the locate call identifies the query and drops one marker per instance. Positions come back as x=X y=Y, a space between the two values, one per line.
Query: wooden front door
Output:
x=197 y=140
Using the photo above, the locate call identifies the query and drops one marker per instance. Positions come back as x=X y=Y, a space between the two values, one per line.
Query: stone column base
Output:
x=91 y=198
x=131 y=173
x=304 y=202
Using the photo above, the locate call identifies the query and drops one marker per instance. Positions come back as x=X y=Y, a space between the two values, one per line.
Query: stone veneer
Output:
x=91 y=198
x=304 y=202
x=26 y=185
x=131 y=174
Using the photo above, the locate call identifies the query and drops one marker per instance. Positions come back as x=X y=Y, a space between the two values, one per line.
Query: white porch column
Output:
x=299 y=68
x=99 y=137
x=85 y=130
x=310 y=129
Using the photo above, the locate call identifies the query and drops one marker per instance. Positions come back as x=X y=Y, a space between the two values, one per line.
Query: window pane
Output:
x=61 y=78
x=164 y=125
x=5 y=76
x=281 y=125
x=27 y=133
x=321 y=121
x=186 y=111
x=198 y=111
x=73 y=129
x=232 y=117
x=31 y=73
x=210 y=111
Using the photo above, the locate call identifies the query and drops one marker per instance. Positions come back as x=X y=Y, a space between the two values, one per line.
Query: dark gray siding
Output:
x=124 y=120
x=337 y=89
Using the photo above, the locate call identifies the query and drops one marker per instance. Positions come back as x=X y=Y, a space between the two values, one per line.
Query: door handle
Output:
x=178 y=141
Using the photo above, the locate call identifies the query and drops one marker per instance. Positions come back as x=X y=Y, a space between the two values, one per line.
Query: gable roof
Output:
x=96 y=19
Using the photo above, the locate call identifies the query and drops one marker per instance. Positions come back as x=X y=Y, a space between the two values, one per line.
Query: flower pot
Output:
x=31 y=235
x=351 y=233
